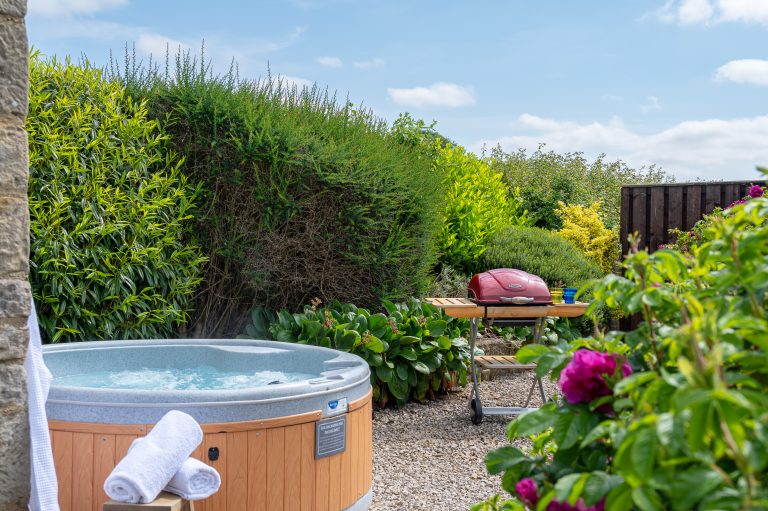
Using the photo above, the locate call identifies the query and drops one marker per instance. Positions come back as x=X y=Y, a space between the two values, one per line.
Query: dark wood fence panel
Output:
x=652 y=211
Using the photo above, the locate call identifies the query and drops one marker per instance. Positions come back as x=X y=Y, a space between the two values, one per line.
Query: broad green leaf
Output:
x=644 y=453
x=503 y=458
x=646 y=499
x=530 y=353
x=536 y=421
x=374 y=344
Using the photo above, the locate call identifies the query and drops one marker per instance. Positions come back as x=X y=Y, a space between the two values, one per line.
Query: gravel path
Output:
x=430 y=457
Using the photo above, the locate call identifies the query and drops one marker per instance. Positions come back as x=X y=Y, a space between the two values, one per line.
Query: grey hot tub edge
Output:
x=344 y=378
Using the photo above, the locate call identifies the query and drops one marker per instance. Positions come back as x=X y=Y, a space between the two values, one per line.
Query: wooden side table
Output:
x=164 y=502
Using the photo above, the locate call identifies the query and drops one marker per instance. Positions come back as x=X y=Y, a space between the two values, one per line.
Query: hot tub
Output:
x=287 y=426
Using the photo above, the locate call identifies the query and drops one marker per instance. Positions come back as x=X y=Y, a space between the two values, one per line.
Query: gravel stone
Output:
x=429 y=457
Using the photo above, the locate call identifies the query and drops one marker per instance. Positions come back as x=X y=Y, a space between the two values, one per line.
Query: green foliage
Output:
x=414 y=350
x=477 y=205
x=496 y=504
x=585 y=228
x=685 y=241
x=449 y=282
x=688 y=429
x=542 y=253
x=545 y=178
x=109 y=211
x=303 y=196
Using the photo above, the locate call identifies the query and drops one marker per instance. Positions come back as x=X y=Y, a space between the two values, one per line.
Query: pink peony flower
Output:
x=564 y=506
x=579 y=506
x=742 y=201
x=583 y=379
x=755 y=191
x=527 y=492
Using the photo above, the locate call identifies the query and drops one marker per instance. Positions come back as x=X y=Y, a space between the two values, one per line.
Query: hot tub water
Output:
x=202 y=377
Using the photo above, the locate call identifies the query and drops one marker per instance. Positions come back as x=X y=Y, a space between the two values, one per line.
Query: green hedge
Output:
x=109 y=211
x=546 y=177
x=541 y=252
x=303 y=196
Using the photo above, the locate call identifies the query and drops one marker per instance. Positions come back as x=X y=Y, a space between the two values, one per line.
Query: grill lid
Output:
x=508 y=286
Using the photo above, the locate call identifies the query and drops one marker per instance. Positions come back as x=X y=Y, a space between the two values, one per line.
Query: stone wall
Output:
x=14 y=256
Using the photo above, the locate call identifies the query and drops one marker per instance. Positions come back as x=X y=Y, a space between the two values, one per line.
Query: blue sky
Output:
x=679 y=83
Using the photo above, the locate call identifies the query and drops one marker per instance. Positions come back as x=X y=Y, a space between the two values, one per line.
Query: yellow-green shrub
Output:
x=584 y=227
x=110 y=211
x=477 y=205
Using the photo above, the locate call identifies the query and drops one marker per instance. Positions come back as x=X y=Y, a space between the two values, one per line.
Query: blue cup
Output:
x=569 y=295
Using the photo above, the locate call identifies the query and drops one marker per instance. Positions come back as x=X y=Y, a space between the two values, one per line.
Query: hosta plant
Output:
x=414 y=350
x=673 y=415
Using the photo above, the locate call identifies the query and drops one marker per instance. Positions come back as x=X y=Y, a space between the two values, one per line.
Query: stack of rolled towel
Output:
x=160 y=461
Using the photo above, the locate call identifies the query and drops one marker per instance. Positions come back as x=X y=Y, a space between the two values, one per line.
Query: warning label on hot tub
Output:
x=330 y=436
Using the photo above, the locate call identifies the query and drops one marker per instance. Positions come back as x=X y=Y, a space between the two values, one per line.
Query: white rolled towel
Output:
x=150 y=464
x=194 y=481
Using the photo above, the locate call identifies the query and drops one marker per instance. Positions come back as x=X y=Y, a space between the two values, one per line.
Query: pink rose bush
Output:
x=755 y=191
x=527 y=492
x=584 y=379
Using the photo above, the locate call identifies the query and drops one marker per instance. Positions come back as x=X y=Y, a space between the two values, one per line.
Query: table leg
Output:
x=474 y=395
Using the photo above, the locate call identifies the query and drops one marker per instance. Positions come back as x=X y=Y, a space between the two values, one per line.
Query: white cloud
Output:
x=710 y=149
x=370 y=64
x=278 y=44
x=651 y=104
x=689 y=12
x=744 y=10
x=69 y=8
x=293 y=81
x=695 y=11
x=334 y=62
x=157 y=45
x=438 y=94
x=744 y=71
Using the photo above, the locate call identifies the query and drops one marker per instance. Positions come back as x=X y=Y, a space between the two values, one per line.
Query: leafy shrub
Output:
x=688 y=428
x=414 y=350
x=449 y=282
x=585 y=228
x=477 y=205
x=303 y=196
x=545 y=178
x=685 y=241
x=109 y=208
x=540 y=252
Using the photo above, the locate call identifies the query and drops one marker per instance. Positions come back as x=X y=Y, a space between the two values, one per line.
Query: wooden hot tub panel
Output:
x=265 y=465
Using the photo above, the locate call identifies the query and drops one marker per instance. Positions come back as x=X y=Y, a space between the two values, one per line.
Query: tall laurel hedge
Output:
x=110 y=211
x=303 y=196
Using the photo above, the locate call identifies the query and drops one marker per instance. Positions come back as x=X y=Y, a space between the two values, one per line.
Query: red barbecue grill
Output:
x=506 y=286
x=512 y=296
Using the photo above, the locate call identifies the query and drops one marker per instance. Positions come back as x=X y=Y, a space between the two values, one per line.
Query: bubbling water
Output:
x=189 y=378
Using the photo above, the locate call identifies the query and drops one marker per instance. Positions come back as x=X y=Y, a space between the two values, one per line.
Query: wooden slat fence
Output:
x=653 y=210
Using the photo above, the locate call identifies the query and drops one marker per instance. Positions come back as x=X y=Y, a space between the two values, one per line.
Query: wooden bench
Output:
x=164 y=502
x=502 y=362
